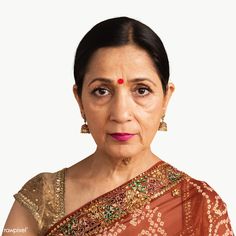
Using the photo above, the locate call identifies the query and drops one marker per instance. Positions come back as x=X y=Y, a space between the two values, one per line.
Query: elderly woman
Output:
x=121 y=75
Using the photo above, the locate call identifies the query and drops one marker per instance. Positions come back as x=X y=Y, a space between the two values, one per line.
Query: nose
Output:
x=121 y=107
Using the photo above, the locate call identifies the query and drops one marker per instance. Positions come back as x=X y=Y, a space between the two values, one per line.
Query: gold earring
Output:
x=163 y=125
x=84 y=128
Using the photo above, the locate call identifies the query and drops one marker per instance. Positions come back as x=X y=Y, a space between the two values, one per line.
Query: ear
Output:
x=169 y=91
x=78 y=99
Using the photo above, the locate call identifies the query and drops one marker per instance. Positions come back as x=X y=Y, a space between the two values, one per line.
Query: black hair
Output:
x=120 y=31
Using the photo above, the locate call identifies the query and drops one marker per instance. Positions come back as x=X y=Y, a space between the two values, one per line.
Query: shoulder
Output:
x=31 y=193
x=42 y=197
x=202 y=194
x=207 y=209
x=39 y=183
x=202 y=189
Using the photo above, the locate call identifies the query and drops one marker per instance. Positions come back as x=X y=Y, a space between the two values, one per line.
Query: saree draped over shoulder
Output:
x=160 y=201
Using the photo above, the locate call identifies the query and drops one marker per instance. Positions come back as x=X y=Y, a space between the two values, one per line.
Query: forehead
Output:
x=124 y=59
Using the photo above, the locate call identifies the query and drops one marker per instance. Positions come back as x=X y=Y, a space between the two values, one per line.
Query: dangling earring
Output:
x=84 y=128
x=163 y=125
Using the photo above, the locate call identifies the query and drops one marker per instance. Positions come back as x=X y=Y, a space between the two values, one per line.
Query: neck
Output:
x=119 y=169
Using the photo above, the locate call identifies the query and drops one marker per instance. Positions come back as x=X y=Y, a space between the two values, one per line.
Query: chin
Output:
x=122 y=151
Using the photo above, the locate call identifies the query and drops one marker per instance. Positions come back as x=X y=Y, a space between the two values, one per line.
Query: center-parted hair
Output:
x=117 y=32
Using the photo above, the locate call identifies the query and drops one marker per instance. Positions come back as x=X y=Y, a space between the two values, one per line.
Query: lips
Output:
x=122 y=136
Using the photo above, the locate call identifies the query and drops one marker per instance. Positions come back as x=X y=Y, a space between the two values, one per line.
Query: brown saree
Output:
x=160 y=201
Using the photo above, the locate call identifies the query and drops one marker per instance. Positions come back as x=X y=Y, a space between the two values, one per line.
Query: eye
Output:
x=102 y=91
x=99 y=91
x=142 y=90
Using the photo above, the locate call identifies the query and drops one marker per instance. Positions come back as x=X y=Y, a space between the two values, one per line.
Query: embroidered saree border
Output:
x=59 y=193
x=101 y=213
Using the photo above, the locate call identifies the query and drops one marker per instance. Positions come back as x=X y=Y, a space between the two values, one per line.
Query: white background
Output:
x=40 y=120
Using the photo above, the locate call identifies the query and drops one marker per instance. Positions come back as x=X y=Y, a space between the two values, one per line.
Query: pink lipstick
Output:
x=122 y=136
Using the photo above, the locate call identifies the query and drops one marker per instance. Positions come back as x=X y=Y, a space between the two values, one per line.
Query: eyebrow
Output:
x=110 y=81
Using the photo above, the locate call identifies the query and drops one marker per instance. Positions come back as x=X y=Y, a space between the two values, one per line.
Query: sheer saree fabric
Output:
x=160 y=201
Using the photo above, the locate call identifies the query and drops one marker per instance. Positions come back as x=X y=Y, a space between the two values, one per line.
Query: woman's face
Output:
x=134 y=107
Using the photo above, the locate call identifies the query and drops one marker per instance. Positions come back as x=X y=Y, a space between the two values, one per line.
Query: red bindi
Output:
x=120 y=81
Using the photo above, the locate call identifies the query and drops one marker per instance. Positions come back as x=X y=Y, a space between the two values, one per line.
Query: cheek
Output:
x=93 y=108
x=152 y=109
x=96 y=117
x=149 y=117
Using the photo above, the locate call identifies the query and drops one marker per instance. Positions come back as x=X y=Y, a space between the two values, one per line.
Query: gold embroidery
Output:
x=43 y=196
x=59 y=195
x=28 y=204
x=176 y=192
x=103 y=212
x=28 y=198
